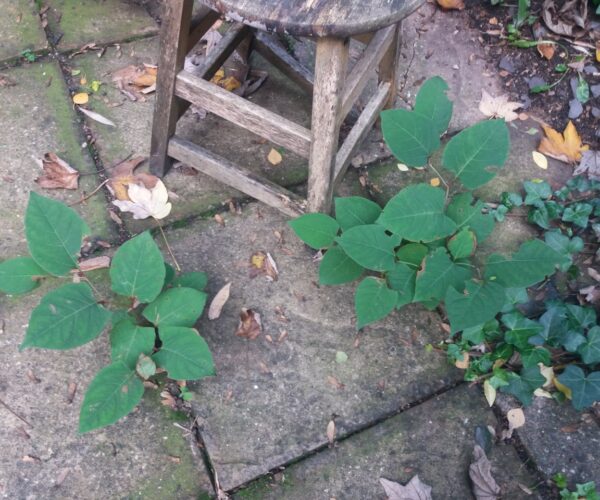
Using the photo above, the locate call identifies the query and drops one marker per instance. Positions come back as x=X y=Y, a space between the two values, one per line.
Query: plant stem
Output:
x=167 y=244
x=441 y=178
x=89 y=195
x=15 y=413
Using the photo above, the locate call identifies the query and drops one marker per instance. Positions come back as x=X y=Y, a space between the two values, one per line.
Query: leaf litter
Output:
x=415 y=489
x=218 y=302
x=57 y=173
x=480 y=472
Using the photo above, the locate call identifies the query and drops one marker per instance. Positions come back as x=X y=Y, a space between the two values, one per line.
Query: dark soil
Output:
x=517 y=66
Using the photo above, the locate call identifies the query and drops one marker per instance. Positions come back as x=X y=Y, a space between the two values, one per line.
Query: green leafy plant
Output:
x=28 y=55
x=154 y=334
x=421 y=247
x=586 y=491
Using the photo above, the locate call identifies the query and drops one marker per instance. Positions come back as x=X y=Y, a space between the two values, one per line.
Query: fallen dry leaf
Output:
x=451 y=4
x=592 y=273
x=435 y=181
x=263 y=264
x=71 y=391
x=489 y=392
x=57 y=174
x=135 y=78
x=144 y=202
x=415 y=489
x=480 y=472
x=123 y=174
x=516 y=419
x=274 y=157
x=566 y=147
x=463 y=363
x=250 y=325
x=498 y=107
x=540 y=160
x=335 y=383
x=590 y=165
x=31 y=459
x=167 y=399
x=591 y=294
x=96 y=117
x=566 y=17
x=331 y=431
x=102 y=262
x=216 y=306
x=546 y=50
x=81 y=98
x=5 y=81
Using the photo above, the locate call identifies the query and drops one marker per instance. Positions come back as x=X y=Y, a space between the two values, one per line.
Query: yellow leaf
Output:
x=451 y=4
x=562 y=388
x=219 y=75
x=435 y=182
x=540 y=160
x=489 y=392
x=230 y=83
x=598 y=51
x=274 y=157
x=145 y=80
x=83 y=80
x=258 y=260
x=548 y=373
x=566 y=147
x=81 y=98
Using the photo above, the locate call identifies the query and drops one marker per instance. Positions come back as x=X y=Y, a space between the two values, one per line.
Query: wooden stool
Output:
x=331 y=23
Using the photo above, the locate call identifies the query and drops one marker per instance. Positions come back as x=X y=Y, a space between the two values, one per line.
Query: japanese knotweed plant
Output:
x=155 y=333
x=420 y=246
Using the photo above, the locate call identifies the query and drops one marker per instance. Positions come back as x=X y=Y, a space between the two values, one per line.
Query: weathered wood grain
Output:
x=202 y=21
x=360 y=130
x=330 y=73
x=245 y=113
x=388 y=67
x=276 y=54
x=236 y=176
x=173 y=49
x=340 y=18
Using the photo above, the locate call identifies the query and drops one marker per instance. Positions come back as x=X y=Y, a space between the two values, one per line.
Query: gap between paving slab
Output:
x=271 y=401
x=21 y=30
x=434 y=440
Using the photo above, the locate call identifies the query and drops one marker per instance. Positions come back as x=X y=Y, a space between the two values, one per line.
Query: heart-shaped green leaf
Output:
x=19 y=275
x=465 y=213
x=316 y=230
x=373 y=301
x=370 y=246
x=479 y=304
x=437 y=275
x=433 y=103
x=590 y=349
x=176 y=307
x=402 y=280
x=337 y=268
x=129 y=340
x=355 y=211
x=585 y=391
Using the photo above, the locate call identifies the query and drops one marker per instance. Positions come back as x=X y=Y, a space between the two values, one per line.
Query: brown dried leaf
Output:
x=566 y=18
x=591 y=294
x=274 y=157
x=415 y=489
x=32 y=377
x=480 y=472
x=5 y=81
x=216 y=306
x=135 y=78
x=57 y=173
x=71 y=391
x=270 y=268
x=31 y=459
x=546 y=50
x=250 y=326
x=590 y=164
x=94 y=263
x=335 y=383
x=498 y=107
x=566 y=147
x=122 y=175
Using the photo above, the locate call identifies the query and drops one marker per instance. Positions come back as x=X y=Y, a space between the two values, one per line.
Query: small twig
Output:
x=167 y=244
x=15 y=413
x=89 y=195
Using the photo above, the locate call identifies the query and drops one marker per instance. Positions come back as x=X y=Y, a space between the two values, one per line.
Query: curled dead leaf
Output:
x=57 y=173
x=546 y=50
x=144 y=202
x=331 y=431
x=566 y=147
x=480 y=472
x=566 y=18
x=250 y=325
x=102 y=262
x=216 y=306
x=498 y=107
x=415 y=489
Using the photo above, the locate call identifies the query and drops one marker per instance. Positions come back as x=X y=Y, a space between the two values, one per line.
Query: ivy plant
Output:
x=154 y=334
x=420 y=247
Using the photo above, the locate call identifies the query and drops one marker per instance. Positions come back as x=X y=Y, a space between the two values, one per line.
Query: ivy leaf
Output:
x=19 y=275
x=578 y=214
x=138 y=269
x=412 y=254
x=580 y=317
x=410 y=136
x=475 y=154
x=417 y=214
x=316 y=230
x=402 y=280
x=462 y=244
x=195 y=279
x=529 y=265
x=337 y=268
x=585 y=390
x=370 y=246
x=433 y=103
x=169 y=274
x=479 y=304
x=523 y=385
x=373 y=300
x=54 y=233
x=519 y=330
x=590 y=349
x=114 y=392
x=184 y=354
x=554 y=323
x=437 y=275
x=66 y=317
x=565 y=246
x=532 y=356
x=466 y=214
x=355 y=211
x=537 y=192
x=176 y=307
x=129 y=340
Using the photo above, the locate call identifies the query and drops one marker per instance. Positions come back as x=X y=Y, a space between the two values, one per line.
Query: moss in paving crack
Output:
x=262 y=487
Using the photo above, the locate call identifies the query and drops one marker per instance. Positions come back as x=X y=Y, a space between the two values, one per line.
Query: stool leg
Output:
x=330 y=75
x=388 y=67
x=175 y=31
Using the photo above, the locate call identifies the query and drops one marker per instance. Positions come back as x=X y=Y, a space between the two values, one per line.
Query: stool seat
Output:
x=320 y=18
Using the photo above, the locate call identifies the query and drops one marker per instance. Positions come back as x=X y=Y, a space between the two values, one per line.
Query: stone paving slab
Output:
x=271 y=401
x=143 y=456
x=559 y=439
x=75 y=24
x=20 y=28
x=434 y=440
x=37 y=117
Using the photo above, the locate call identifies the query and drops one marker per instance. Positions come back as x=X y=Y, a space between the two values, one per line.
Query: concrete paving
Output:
x=399 y=408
